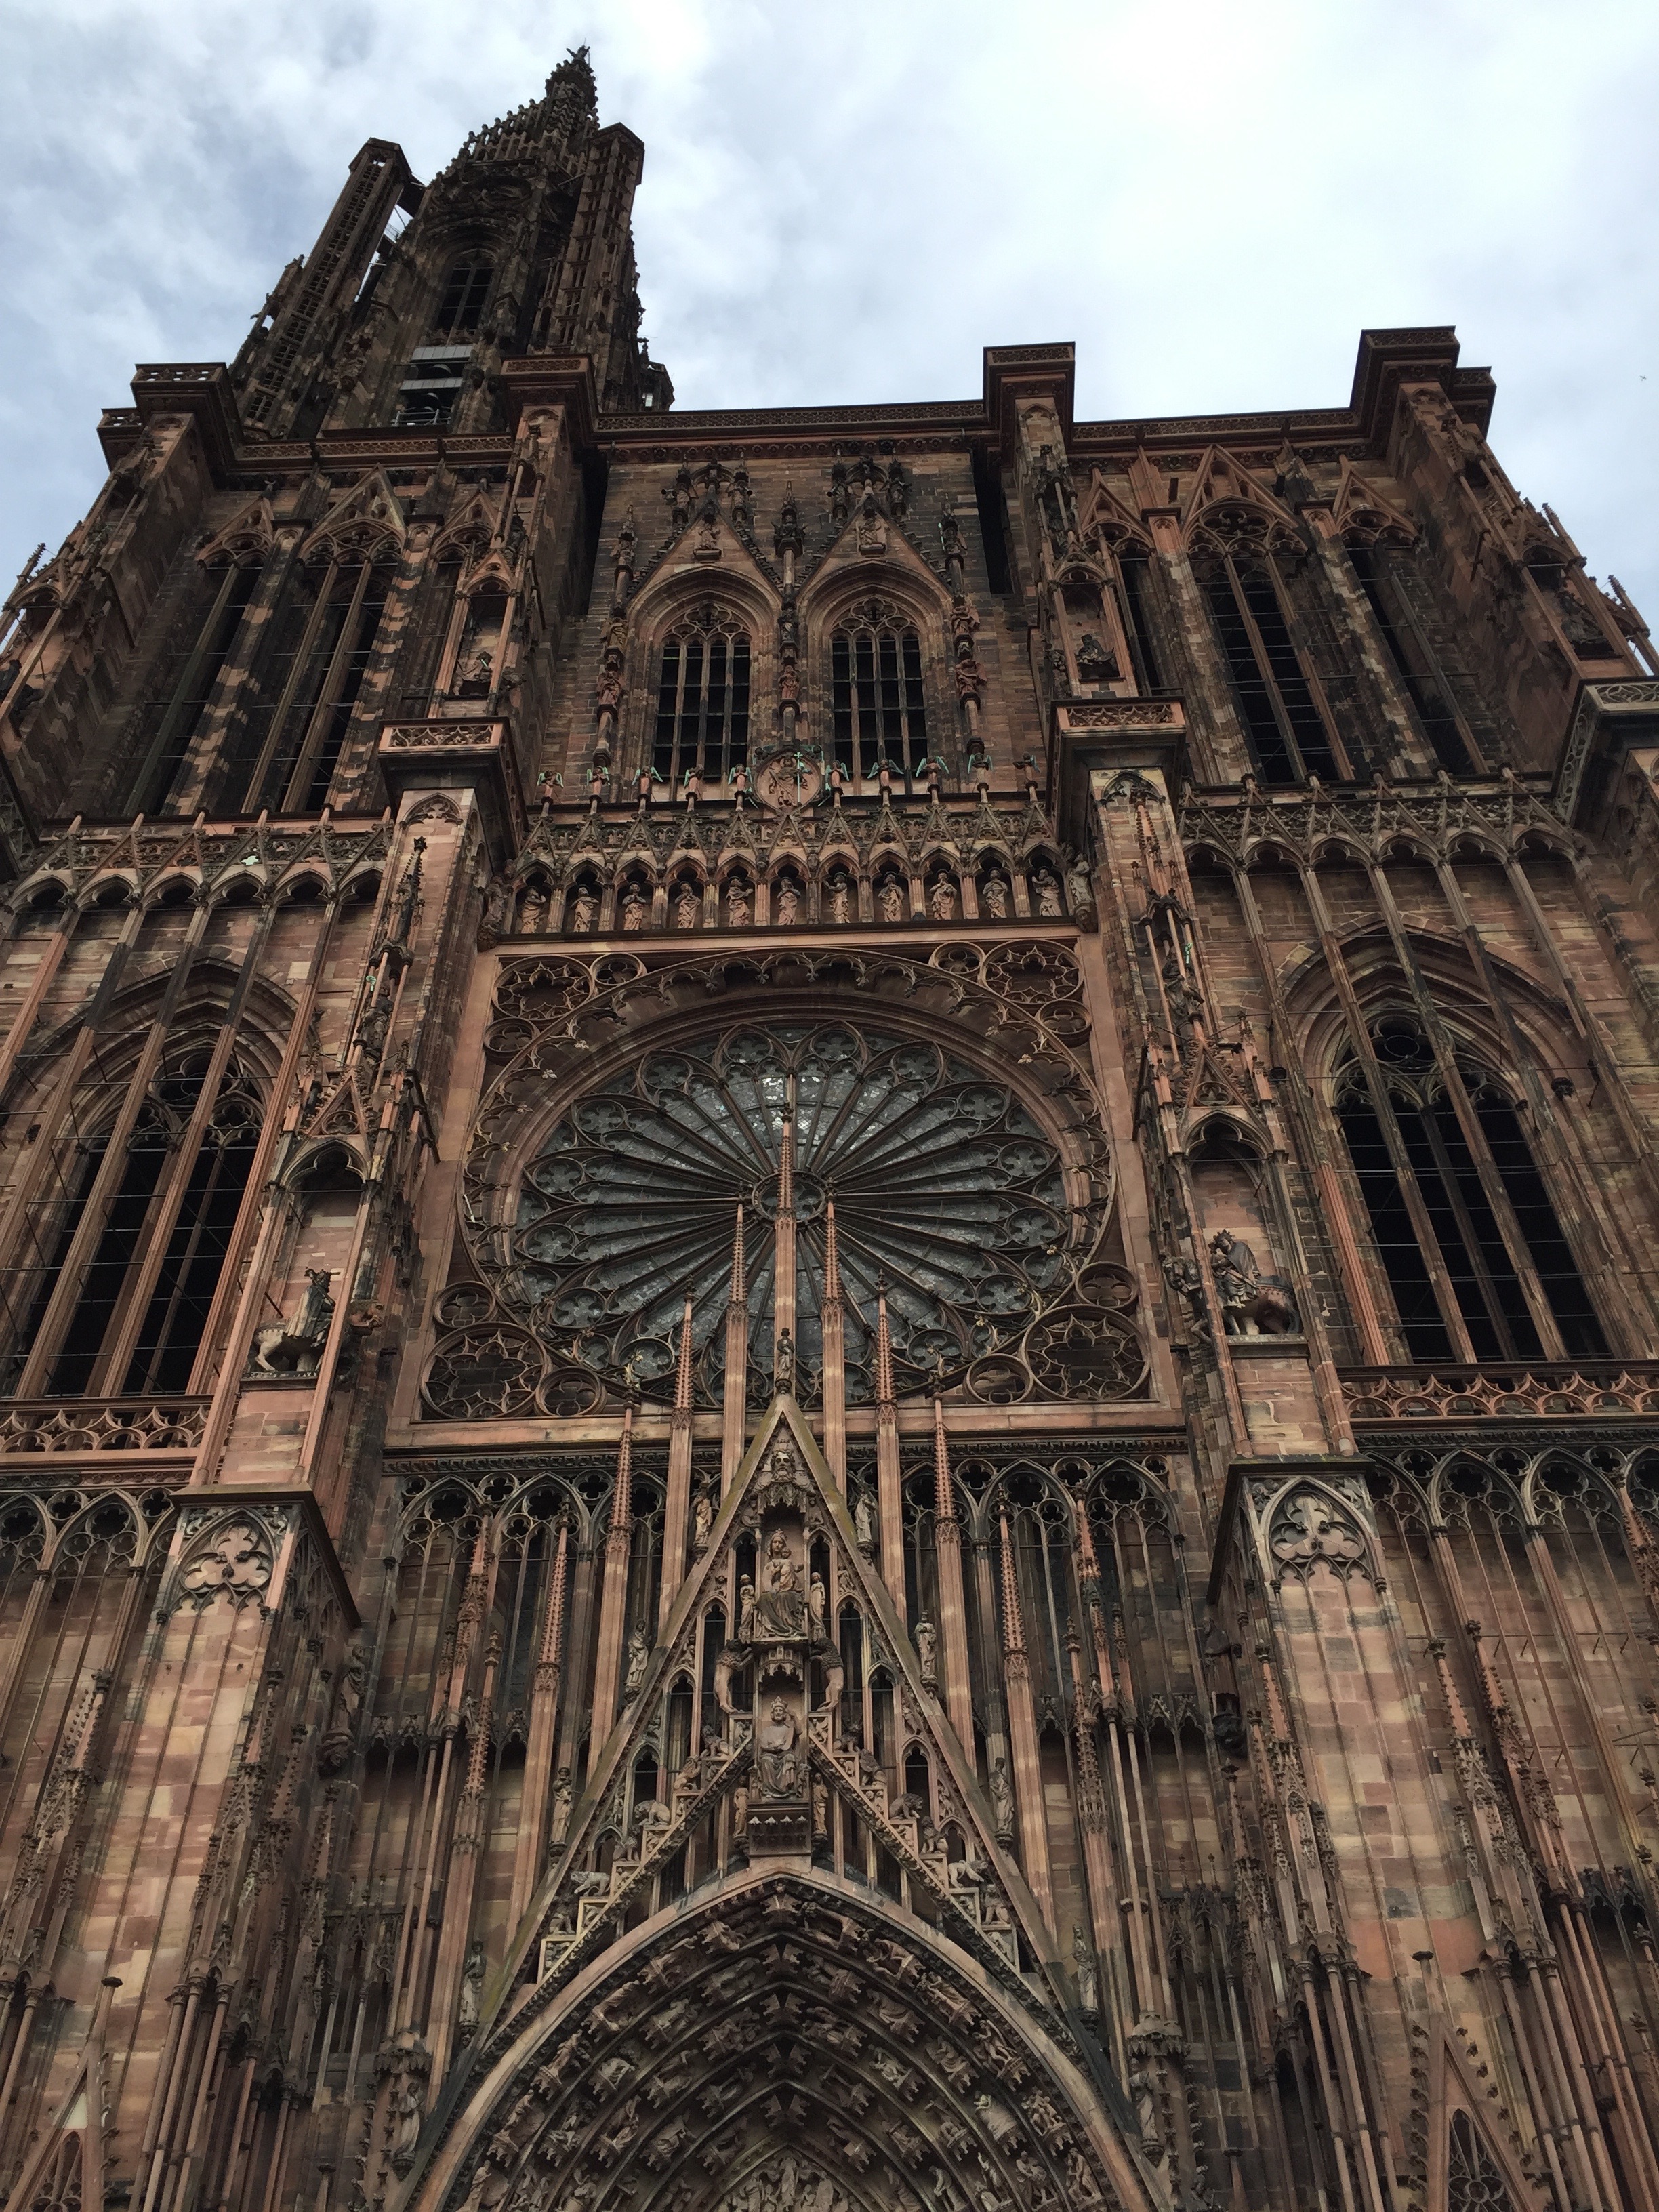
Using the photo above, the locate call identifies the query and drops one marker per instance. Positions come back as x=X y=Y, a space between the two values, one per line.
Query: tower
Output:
x=827 y=1304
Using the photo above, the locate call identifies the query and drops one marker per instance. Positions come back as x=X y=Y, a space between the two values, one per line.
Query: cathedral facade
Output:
x=836 y=1231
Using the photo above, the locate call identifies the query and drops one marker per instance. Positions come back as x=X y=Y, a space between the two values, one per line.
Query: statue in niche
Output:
x=473 y=1977
x=635 y=910
x=1249 y=1307
x=777 y=1763
x=1002 y=1800
x=1088 y=1984
x=783 y=1363
x=817 y=1600
x=820 y=1811
x=561 y=1795
x=532 y=909
x=638 y=1653
x=840 y=905
x=785 y=903
x=1095 y=663
x=942 y=899
x=746 y=1611
x=739 y=1812
x=739 y=911
x=584 y=912
x=688 y=906
x=293 y=1351
x=927 y=1648
x=864 y=1521
x=1045 y=887
x=890 y=899
x=994 y=901
x=702 y=1520
x=782 y=1605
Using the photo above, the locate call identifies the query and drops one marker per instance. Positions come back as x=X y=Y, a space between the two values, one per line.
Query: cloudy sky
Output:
x=845 y=200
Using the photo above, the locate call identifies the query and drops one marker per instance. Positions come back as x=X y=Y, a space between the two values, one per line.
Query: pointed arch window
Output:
x=702 y=699
x=461 y=303
x=131 y=1321
x=879 y=709
x=216 y=598
x=1474 y=1253
x=1415 y=662
x=321 y=676
x=1287 y=722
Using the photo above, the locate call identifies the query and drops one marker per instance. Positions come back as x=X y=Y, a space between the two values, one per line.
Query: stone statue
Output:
x=994 y=899
x=1002 y=1800
x=926 y=1644
x=739 y=912
x=687 y=908
x=294 y=1352
x=1045 y=886
x=782 y=1605
x=1249 y=1307
x=890 y=899
x=702 y=1520
x=584 y=912
x=740 y=1813
x=637 y=910
x=532 y=909
x=783 y=1364
x=473 y=1976
x=1088 y=1986
x=562 y=1794
x=746 y=1611
x=817 y=1599
x=638 y=1653
x=841 y=897
x=864 y=1521
x=777 y=1764
x=785 y=903
x=942 y=899
x=820 y=1810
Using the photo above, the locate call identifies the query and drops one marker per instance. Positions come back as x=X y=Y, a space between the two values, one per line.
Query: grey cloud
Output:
x=846 y=203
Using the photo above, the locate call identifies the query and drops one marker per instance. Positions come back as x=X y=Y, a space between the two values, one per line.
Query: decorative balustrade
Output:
x=1527 y=1390
x=34 y=1425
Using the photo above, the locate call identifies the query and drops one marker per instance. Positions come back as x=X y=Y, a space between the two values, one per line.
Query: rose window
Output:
x=946 y=1190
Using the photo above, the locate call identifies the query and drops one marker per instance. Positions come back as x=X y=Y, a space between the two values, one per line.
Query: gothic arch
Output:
x=814 y=1995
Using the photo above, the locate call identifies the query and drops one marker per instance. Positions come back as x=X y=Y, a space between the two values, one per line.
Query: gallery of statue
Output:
x=829 y=1282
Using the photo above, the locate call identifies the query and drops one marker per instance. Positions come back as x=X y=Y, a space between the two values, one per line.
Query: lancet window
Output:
x=1134 y=574
x=316 y=672
x=461 y=303
x=878 y=711
x=1287 y=723
x=1475 y=1256
x=702 y=699
x=1414 y=661
x=217 y=598
x=137 y=1247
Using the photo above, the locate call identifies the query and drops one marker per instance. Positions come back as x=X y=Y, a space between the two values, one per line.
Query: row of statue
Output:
x=787 y=905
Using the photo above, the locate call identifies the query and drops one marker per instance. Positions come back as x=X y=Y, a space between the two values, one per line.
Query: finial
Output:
x=945 y=1507
x=622 y=1502
x=831 y=1254
x=740 y=1282
x=1013 y=1628
x=682 y=1378
x=883 y=1349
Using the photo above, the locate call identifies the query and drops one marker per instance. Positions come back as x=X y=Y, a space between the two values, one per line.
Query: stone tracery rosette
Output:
x=981 y=1205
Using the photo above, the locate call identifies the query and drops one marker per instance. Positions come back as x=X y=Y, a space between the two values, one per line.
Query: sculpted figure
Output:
x=993 y=898
x=777 y=1764
x=1002 y=1799
x=890 y=899
x=864 y=1521
x=739 y=911
x=687 y=908
x=561 y=1804
x=942 y=900
x=926 y=1644
x=639 y=1652
x=785 y=903
x=841 y=897
x=702 y=1520
x=782 y=1605
x=1045 y=892
x=584 y=912
x=746 y=1611
x=817 y=1599
x=637 y=910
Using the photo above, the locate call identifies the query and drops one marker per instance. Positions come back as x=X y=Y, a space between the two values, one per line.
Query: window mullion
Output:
x=1474 y=1249
x=296 y=674
x=183 y=692
x=1294 y=630
x=1264 y=669
x=299 y=779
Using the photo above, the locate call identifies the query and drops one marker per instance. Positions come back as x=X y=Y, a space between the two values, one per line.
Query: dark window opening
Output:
x=1428 y=695
x=1285 y=725
x=703 y=706
x=992 y=519
x=461 y=305
x=879 y=713
x=1482 y=1271
x=1135 y=570
x=182 y=715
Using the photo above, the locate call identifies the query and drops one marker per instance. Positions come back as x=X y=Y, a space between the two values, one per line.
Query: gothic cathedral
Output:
x=839 y=1232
